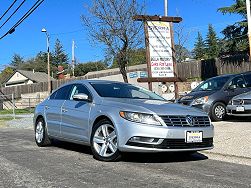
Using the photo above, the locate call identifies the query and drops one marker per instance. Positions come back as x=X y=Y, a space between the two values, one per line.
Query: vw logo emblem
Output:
x=190 y=121
x=242 y=102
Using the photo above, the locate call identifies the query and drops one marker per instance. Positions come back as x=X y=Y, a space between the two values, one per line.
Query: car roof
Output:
x=231 y=75
x=92 y=81
x=225 y=75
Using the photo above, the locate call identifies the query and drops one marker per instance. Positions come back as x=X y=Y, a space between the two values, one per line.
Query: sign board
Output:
x=133 y=74
x=143 y=74
x=160 y=48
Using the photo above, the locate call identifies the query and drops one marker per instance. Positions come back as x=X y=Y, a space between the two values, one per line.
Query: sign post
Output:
x=160 y=53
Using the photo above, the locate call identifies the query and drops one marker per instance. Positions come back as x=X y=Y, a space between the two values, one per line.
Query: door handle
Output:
x=47 y=107
x=64 y=110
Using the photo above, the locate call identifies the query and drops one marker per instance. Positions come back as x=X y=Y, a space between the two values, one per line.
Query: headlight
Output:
x=230 y=102
x=201 y=100
x=140 y=118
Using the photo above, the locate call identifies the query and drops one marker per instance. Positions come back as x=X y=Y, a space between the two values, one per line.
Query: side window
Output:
x=63 y=93
x=248 y=79
x=238 y=81
x=53 y=95
x=79 y=88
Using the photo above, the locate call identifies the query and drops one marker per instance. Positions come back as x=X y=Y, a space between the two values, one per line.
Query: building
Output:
x=22 y=77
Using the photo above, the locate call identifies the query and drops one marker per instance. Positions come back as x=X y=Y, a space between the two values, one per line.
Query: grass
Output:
x=17 y=111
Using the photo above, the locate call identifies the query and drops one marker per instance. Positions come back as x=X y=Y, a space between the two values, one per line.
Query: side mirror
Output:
x=81 y=97
x=232 y=87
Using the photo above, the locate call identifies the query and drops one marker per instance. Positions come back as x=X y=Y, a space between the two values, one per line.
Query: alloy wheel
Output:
x=39 y=132
x=219 y=111
x=105 y=140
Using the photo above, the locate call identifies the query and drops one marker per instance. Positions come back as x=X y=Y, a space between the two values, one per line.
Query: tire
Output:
x=218 y=111
x=41 y=136
x=104 y=142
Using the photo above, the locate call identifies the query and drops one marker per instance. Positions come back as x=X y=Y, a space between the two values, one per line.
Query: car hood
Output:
x=196 y=94
x=243 y=96
x=152 y=106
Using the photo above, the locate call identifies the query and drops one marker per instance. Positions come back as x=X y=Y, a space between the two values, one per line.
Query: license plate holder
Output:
x=194 y=136
x=240 y=108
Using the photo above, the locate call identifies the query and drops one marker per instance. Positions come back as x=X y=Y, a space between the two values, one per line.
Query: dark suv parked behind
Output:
x=213 y=95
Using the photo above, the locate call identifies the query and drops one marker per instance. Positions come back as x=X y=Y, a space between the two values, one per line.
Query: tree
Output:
x=181 y=36
x=111 y=24
x=135 y=57
x=235 y=35
x=83 y=68
x=199 y=48
x=181 y=53
x=211 y=42
x=38 y=63
x=17 y=61
x=5 y=74
x=59 y=57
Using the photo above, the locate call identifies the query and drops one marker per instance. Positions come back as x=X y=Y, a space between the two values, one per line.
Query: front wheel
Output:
x=104 y=142
x=218 y=111
x=41 y=136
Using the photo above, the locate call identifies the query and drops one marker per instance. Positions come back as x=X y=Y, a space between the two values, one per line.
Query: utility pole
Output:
x=48 y=58
x=166 y=7
x=249 y=26
x=73 y=58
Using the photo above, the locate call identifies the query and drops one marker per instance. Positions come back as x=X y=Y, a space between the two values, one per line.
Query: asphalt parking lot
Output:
x=232 y=141
x=23 y=164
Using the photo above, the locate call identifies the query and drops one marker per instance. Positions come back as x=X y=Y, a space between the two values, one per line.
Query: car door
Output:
x=75 y=115
x=53 y=110
x=236 y=86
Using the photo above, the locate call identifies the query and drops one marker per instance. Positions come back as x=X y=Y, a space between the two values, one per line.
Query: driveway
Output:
x=23 y=164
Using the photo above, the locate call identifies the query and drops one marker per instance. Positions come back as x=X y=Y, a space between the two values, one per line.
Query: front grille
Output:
x=176 y=144
x=241 y=101
x=181 y=121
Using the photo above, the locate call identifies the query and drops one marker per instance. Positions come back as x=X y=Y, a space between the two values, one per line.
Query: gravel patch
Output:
x=23 y=122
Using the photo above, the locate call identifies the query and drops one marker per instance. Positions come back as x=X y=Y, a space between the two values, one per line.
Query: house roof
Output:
x=34 y=76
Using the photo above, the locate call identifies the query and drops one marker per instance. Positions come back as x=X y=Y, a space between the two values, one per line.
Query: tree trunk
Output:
x=122 y=69
x=122 y=61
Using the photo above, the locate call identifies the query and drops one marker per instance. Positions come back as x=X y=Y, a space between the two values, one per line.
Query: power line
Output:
x=26 y=15
x=8 y=9
x=12 y=14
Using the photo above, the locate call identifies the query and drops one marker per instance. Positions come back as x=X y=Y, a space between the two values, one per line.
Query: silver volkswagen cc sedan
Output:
x=114 y=117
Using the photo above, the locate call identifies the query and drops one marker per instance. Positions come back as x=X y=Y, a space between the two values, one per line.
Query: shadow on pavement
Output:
x=137 y=157
x=162 y=157
x=72 y=147
x=238 y=119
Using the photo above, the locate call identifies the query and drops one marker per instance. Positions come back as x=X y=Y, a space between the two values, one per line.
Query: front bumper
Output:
x=231 y=110
x=163 y=138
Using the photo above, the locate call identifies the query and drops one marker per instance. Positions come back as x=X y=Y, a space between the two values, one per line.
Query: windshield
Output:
x=212 y=84
x=120 y=90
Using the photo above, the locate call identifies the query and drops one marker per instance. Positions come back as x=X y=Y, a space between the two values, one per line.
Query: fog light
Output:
x=145 y=140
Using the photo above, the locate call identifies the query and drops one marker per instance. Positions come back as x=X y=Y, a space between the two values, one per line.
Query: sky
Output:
x=61 y=18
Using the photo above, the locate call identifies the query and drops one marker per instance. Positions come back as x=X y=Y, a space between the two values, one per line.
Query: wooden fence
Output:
x=197 y=69
x=213 y=67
